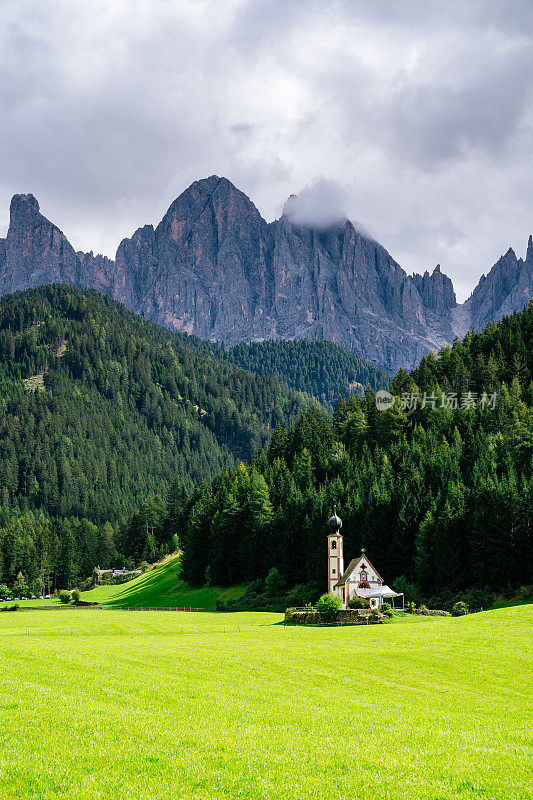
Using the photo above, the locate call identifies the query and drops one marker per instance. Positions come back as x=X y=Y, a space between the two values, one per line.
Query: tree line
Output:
x=40 y=554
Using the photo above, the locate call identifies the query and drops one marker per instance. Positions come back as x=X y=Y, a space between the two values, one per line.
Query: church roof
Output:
x=352 y=566
x=347 y=572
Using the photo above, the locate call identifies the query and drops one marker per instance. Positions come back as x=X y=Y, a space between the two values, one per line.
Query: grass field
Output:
x=112 y=704
x=160 y=587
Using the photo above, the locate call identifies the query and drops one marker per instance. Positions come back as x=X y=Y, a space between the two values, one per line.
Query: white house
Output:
x=359 y=579
x=115 y=573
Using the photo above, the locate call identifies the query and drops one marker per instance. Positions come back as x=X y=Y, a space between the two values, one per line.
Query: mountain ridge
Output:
x=215 y=268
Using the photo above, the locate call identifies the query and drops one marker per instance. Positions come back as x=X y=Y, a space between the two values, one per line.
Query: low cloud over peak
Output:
x=319 y=205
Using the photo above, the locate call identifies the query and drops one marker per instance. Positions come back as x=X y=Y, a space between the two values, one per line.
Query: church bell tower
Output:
x=335 y=556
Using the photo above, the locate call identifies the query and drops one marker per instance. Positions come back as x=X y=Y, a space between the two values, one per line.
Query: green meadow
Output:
x=134 y=704
x=161 y=586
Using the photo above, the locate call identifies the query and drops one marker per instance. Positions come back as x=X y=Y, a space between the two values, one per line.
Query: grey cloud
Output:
x=435 y=15
x=437 y=122
x=257 y=21
x=419 y=111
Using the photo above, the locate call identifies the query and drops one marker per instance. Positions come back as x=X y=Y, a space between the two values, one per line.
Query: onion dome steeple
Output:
x=335 y=523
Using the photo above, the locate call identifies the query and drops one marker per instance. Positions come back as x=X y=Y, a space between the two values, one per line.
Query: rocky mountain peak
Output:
x=214 y=267
x=436 y=290
x=289 y=206
x=36 y=252
x=23 y=205
x=200 y=193
x=211 y=200
x=507 y=287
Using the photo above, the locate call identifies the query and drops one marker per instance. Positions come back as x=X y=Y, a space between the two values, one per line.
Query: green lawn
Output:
x=122 y=704
x=161 y=586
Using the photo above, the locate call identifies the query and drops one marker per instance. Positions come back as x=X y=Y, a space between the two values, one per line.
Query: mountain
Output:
x=440 y=493
x=215 y=268
x=100 y=408
x=507 y=287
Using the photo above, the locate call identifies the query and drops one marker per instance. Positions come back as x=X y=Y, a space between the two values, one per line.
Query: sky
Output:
x=414 y=118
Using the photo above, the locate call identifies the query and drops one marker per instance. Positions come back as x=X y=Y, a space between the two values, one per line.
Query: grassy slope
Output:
x=161 y=586
x=99 y=704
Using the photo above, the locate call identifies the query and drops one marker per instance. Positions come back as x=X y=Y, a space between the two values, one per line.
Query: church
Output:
x=360 y=579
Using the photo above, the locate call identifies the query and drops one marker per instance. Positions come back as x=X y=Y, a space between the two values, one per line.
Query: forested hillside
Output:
x=438 y=488
x=320 y=368
x=99 y=408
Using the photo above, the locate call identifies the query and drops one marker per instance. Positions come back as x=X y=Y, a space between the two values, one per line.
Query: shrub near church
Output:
x=328 y=606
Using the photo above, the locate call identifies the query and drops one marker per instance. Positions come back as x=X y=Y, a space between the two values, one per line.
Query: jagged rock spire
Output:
x=529 y=254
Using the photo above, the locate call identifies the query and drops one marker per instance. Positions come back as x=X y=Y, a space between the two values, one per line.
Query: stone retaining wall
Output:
x=344 y=617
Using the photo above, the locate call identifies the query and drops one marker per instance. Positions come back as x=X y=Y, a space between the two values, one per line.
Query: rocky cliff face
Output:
x=215 y=268
x=204 y=269
x=507 y=287
x=96 y=272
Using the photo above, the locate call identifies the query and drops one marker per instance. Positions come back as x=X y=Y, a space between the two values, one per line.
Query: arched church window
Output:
x=364 y=576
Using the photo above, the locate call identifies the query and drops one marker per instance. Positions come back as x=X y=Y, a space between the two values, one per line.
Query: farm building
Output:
x=360 y=579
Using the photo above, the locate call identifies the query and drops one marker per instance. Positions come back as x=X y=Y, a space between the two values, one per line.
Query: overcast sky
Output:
x=412 y=116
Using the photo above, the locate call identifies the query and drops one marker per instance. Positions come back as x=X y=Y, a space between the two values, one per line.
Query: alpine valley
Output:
x=215 y=268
